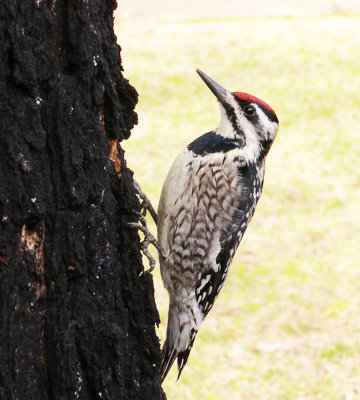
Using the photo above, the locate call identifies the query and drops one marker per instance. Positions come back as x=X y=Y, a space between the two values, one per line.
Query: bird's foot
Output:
x=148 y=239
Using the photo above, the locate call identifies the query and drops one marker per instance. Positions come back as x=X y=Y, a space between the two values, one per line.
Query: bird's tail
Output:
x=184 y=355
x=181 y=332
x=169 y=354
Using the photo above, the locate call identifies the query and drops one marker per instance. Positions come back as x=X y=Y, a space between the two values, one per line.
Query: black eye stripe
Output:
x=272 y=117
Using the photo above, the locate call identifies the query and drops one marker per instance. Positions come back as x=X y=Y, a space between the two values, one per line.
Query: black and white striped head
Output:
x=244 y=117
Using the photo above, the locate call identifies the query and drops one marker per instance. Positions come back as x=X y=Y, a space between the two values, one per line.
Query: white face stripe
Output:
x=225 y=127
x=269 y=127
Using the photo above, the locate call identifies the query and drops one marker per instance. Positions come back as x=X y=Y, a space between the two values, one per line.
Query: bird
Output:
x=207 y=201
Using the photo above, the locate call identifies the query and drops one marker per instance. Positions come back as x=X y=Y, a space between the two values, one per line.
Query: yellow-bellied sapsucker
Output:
x=207 y=202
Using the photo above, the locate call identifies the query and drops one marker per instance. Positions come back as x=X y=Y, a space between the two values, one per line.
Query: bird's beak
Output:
x=218 y=90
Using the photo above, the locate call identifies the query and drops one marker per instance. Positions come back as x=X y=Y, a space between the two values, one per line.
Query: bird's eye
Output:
x=250 y=111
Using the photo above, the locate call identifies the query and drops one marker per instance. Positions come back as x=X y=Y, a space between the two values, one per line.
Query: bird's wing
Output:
x=212 y=279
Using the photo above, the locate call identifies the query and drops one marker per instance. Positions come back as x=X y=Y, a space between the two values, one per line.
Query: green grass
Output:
x=287 y=323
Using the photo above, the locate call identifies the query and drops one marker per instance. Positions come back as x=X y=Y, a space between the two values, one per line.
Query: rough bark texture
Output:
x=77 y=314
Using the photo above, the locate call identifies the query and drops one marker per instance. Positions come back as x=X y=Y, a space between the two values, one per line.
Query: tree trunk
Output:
x=77 y=313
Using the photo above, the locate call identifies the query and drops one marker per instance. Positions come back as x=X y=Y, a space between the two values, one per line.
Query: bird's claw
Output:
x=148 y=239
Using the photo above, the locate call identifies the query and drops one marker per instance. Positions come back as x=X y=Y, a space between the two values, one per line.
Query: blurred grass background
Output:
x=287 y=322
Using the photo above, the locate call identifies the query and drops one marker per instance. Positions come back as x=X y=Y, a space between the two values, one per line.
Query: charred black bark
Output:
x=77 y=313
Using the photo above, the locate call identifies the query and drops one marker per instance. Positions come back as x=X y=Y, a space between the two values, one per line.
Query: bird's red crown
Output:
x=253 y=99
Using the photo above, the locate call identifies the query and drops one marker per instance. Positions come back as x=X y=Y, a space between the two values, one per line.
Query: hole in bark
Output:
x=31 y=224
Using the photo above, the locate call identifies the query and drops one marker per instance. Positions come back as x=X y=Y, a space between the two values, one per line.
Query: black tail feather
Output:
x=182 y=360
x=168 y=357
